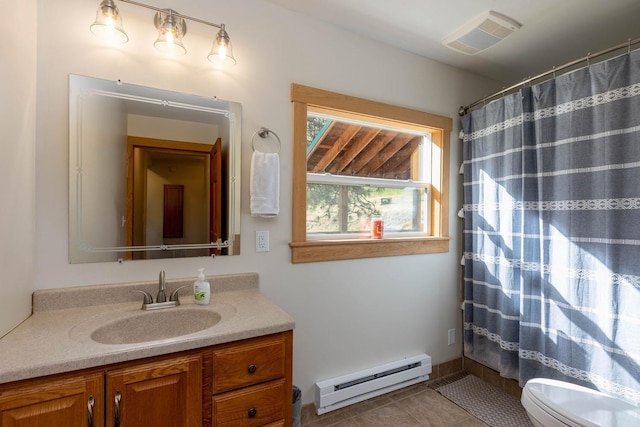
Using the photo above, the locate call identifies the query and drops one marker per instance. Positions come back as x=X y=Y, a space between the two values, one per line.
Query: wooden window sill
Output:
x=333 y=250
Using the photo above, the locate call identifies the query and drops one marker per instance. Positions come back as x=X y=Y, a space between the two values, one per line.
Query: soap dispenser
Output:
x=201 y=289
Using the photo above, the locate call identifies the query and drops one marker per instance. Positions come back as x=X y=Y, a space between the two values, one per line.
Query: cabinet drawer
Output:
x=246 y=364
x=249 y=407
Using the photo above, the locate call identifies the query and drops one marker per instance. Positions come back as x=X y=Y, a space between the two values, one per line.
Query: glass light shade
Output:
x=108 y=23
x=170 y=38
x=222 y=51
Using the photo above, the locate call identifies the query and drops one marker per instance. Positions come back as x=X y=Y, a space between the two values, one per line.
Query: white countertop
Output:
x=55 y=340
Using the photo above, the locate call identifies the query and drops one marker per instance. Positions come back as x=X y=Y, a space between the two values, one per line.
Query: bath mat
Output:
x=486 y=402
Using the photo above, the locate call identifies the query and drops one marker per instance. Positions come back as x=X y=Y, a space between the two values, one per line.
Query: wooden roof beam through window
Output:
x=354 y=148
x=371 y=151
x=399 y=166
x=386 y=153
x=337 y=146
x=320 y=138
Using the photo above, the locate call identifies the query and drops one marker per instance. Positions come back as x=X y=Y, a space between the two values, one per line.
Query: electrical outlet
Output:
x=451 y=337
x=262 y=241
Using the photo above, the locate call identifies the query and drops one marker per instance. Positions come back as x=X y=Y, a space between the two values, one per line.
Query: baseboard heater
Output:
x=345 y=390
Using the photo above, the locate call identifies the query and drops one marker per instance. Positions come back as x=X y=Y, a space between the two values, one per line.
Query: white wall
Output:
x=17 y=161
x=350 y=314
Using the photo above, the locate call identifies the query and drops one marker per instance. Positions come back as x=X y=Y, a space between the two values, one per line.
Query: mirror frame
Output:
x=81 y=90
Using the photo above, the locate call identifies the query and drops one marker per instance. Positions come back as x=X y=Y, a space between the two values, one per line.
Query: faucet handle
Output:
x=174 y=294
x=148 y=299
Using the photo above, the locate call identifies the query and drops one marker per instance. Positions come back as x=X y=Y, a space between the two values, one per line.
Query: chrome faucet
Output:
x=162 y=297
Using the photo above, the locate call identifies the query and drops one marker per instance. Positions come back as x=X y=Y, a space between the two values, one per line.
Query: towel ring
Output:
x=264 y=133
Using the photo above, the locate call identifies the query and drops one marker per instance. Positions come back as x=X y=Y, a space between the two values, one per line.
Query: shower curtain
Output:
x=552 y=230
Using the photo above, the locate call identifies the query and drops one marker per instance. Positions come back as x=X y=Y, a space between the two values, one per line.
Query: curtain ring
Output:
x=554 y=71
x=628 y=46
x=589 y=59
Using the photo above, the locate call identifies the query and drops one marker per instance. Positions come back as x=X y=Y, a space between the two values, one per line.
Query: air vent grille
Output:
x=495 y=29
x=481 y=33
x=458 y=45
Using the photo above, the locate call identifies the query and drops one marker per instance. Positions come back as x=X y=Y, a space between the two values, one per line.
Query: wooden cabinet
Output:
x=251 y=383
x=244 y=383
x=164 y=393
x=69 y=401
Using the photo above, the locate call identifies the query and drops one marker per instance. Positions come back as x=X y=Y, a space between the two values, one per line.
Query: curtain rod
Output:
x=463 y=110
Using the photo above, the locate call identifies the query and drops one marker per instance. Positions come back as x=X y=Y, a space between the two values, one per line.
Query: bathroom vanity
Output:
x=234 y=373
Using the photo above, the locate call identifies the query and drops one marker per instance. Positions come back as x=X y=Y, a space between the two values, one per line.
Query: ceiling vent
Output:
x=481 y=33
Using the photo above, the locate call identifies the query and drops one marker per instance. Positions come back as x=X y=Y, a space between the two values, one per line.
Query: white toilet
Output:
x=552 y=403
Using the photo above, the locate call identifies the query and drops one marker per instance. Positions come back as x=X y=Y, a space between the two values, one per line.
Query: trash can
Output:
x=297 y=406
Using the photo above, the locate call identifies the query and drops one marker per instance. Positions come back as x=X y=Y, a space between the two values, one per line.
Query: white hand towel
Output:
x=265 y=184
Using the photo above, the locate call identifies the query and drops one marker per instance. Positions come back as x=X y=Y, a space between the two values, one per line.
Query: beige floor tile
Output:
x=387 y=416
x=322 y=421
x=432 y=409
x=349 y=422
x=310 y=419
x=416 y=406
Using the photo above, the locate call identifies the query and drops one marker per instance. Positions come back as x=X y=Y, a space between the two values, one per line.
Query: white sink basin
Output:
x=133 y=326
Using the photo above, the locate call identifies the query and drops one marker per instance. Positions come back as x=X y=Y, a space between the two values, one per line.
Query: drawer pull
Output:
x=252 y=369
x=252 y=412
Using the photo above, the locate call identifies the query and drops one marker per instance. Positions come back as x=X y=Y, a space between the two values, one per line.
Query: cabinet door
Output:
x=70 y=402
x=164 y=393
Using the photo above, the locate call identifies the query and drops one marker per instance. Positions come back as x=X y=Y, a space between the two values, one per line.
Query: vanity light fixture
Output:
x=221 y=52
x=171 y=29
x=108 y=23
x=171 y=26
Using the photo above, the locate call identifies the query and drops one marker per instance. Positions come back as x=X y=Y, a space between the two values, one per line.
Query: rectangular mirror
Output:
x=152 y=173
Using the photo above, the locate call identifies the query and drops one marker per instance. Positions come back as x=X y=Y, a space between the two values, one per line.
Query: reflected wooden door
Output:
x=138 y=149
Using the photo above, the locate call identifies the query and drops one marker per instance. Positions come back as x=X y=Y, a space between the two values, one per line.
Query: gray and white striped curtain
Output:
x=552 y=230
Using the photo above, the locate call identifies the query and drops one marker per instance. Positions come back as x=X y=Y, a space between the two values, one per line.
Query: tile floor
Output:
x=415 y=406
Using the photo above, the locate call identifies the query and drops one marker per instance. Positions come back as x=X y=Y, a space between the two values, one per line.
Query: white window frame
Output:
x=326 y=178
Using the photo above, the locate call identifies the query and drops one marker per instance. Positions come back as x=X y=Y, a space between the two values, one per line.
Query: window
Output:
x=354 y=160
x=357 y=171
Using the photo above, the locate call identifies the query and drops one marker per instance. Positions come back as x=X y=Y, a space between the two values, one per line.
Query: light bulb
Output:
x=170 y=37
x=108 y=23
x=222 y=52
